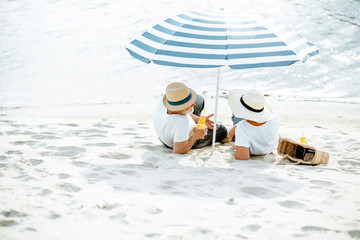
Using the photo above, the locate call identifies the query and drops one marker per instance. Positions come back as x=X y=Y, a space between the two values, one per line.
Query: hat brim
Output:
x=241 y=112
x=182 y=106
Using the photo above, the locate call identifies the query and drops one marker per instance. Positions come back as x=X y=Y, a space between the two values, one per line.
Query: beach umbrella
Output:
x=217 y=38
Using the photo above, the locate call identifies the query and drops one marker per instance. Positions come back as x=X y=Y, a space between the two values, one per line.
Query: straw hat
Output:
x=178 y=96
x=250 y=105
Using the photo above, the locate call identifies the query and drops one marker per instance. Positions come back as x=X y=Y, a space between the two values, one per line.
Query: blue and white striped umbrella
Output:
x=210 y=39
x=207 y=39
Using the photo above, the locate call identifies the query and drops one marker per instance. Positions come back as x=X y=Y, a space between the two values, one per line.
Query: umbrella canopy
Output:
x=210 y=39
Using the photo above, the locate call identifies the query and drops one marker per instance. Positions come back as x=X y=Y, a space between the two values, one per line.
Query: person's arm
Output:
x=242 y=140
x=185 y=146
x=231 y=134
x=242 y=153
x=194 y=117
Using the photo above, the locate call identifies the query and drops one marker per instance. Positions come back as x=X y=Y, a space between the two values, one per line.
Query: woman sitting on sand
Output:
x=257 y=124
x=176 y=117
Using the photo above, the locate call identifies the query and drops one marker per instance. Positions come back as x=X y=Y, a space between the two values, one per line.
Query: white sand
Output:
x=99 y=172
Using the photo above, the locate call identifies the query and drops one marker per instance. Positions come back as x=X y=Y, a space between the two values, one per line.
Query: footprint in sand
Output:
x=11 y=133
x=31 y=162
x=148 y=147
x=13 y=213
x=98 y=169
x=354 y=163
x=153 y=235
x=8 y=122
x=253 y=227
x=152 y=210
x=316 y=229
x=139 y=137
x=354 y=234
x=46 y=154
x=45 y=136
x=129 y=172
x=16 y=125
x=89 y=133
x=28 y=143
x=119 y=216
x=69 y=187
x=259 y=192
x=130 y=133
x=28 y=133
x=321 y=183
x=69 y=124
x=143 y=125
x=69 y=151
x=64 y=176
x=35 y=162
x=153 y=159
x=150 y=165
x=101 y=144
x=79 y=163
x=53 y=215
x=7 y=223
x=117 y=156
x=292 y=204
x=144 y=145
x=102 y=125
x=32 y=144
x=14 y=152
x=31 y=229
x=129 y=129
x=45 y=192
x=168 y=185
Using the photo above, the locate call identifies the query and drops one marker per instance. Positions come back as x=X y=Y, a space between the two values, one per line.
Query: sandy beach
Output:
x=99 y=172
x=80 y=160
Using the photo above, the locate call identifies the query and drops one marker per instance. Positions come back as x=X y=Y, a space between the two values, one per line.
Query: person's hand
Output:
x=200 y=133
x=209 y=123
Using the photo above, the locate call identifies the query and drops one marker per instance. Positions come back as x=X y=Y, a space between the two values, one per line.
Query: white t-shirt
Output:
x=260 y=139
x=172 y=128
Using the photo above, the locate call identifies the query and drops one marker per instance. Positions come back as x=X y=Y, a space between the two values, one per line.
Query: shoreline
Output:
x=288 y=110
x=268 y=97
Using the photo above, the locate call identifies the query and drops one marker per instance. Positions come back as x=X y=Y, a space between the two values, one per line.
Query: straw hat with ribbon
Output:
x=250 y=105
x=178 y=96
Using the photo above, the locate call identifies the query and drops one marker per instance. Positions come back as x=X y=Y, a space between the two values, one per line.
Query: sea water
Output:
x=73 y=52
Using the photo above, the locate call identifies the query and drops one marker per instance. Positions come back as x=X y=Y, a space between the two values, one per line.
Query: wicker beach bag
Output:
x=300 y=153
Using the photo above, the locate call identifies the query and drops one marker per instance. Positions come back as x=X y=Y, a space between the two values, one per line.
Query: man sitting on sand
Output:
x=257 y=124
x=176 y=117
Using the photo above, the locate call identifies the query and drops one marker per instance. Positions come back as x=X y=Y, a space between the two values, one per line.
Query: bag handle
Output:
x=282 y=161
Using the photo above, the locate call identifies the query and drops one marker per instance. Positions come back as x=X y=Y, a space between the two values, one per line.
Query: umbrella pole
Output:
x=216 y=108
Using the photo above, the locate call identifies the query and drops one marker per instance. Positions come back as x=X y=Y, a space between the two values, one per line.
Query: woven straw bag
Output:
x=301 y=153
